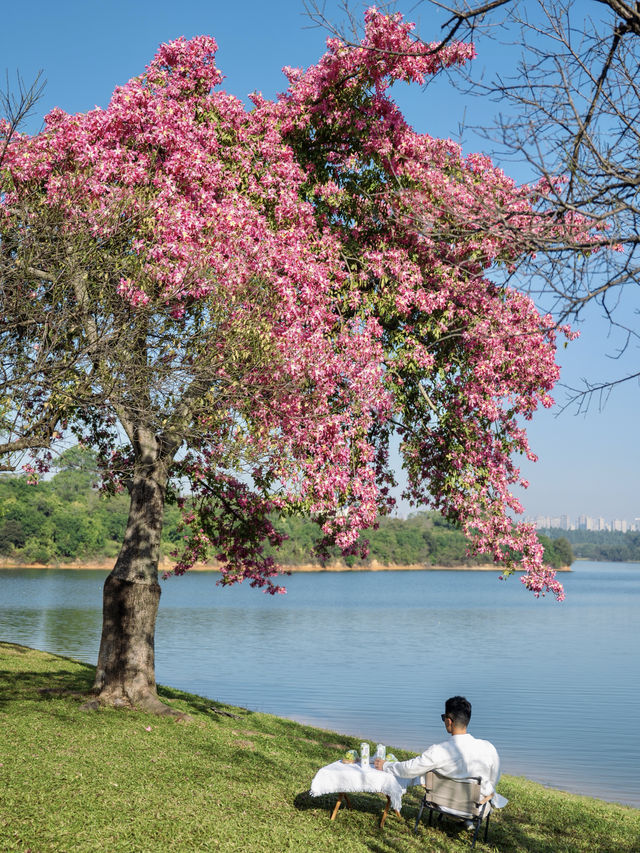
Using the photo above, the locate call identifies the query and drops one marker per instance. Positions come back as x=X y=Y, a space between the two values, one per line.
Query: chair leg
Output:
x=477 y=821
x=415 y=828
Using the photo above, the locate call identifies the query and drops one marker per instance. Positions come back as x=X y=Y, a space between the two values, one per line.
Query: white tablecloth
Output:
x=338 y=777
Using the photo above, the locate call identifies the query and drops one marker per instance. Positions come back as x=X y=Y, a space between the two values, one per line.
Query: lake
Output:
x=555 y=687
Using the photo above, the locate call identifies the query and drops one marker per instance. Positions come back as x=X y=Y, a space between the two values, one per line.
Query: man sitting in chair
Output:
x=460 y=757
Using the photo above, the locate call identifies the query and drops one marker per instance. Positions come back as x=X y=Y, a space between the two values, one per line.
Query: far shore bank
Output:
x=374 y=566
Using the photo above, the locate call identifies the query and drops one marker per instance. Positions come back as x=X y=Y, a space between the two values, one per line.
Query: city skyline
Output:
x=584 y=522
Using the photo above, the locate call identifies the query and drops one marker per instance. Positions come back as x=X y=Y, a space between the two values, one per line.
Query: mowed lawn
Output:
x=72 y=780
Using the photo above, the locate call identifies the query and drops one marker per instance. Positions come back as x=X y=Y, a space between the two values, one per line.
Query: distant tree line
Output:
x=66 y=518
x=611 y=546
x=425 y=538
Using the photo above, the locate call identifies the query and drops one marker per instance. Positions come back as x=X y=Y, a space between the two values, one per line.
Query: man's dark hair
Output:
x=458 y=709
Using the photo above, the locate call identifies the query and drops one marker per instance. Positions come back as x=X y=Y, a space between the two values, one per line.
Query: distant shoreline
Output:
x=374 y=566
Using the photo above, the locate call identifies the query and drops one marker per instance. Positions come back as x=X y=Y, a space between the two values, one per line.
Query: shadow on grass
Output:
x=388 y=844
x=245 y=763
x=511 y=836
x=215 y=710
x=505 y=835
x=77 y=683
x=26 y=684
x=40 y=687
x=16 y=648
x=363 y=803
x=392 y=838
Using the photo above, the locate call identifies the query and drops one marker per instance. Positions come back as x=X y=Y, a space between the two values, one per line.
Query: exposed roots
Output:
x=146 y=701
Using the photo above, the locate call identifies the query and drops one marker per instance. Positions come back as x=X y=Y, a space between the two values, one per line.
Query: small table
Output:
x=342 y=779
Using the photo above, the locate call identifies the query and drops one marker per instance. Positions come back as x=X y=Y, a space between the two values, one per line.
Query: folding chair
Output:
x=459 y=795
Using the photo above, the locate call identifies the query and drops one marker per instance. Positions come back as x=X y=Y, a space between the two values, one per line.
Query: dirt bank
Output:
x=374 y=566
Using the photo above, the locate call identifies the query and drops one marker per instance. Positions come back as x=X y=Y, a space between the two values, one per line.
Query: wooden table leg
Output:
x=337 y=805
x=343 y=798
x=386 y=811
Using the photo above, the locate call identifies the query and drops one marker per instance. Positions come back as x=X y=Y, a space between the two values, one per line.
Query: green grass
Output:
x=72 y=780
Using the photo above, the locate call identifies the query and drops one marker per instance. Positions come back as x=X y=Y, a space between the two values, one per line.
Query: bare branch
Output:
x=316 y=13
x=15 y=107
x=459 y=17
x=592 y=107
x=630 y=15
x=581 y=399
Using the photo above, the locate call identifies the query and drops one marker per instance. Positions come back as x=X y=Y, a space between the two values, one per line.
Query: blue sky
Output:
x=588 y=463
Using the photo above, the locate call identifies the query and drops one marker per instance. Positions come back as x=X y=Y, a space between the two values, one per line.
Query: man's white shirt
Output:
x=460 y=757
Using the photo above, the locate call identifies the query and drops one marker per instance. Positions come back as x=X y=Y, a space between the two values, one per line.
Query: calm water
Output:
x=555 y=687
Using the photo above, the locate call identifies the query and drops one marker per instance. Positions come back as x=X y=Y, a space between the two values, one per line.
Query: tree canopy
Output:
x=253 y=301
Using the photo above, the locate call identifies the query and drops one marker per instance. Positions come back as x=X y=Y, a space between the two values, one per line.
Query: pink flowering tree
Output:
x=252 y=302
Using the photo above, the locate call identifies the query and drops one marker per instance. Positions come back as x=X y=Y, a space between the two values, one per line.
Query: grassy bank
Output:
x=122 y=781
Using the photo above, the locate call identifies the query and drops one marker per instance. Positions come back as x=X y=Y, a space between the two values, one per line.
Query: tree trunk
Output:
x=125 y=675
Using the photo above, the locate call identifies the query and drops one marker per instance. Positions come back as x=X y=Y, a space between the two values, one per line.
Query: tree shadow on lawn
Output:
x=509 y=836
x=399 y=837
x=365 y=803
x=396 y=836
x=214 y=710
x=26 y=685
x=20 y=686
x=240 y=762
x=15 y=648
x=505 y=835
x=511 y=833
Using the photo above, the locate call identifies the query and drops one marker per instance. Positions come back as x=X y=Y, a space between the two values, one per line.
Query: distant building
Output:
x=584 y=522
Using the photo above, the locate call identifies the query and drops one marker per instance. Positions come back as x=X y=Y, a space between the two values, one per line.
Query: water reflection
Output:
x=71 y=632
